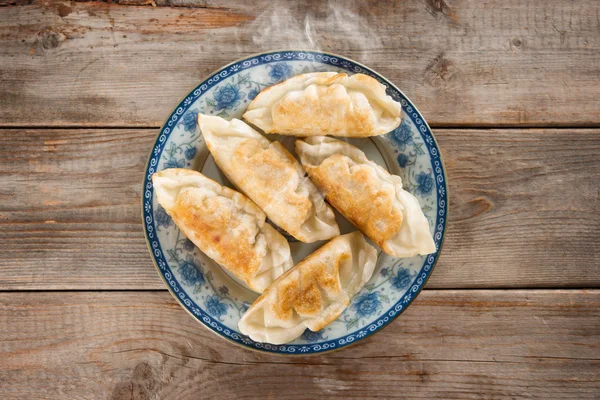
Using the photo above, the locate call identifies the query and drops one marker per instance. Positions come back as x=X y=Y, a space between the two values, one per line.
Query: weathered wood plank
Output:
x=464 y=62
x=449 y=344
x=524 y=209
x=70 y=209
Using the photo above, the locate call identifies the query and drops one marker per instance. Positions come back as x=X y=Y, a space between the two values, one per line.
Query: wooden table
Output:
x=512 y=91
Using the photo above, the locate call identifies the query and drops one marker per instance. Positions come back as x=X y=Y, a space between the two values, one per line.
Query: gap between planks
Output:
x=432 y=126
x=479 y=289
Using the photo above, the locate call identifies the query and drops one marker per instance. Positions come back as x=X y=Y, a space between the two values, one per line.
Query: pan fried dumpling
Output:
x=226 y=225
x=367 y=195
x=313 y=293
x=325 y=103
x=270 y=175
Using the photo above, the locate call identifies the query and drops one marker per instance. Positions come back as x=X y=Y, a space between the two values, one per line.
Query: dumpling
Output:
x=226 y=225
x=325 y=103
x=313 y=293
x=270 y=175
x=367 y=195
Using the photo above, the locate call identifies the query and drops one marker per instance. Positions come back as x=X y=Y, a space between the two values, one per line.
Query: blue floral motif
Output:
x=190 y=121
x=420 y=136
x=228 y=96
x=224 y=290
x=253 y=93
x=402 y=279
x=188 y=245
x=162 y=218
x=403 y=136
x=245 y=307
x=190 y=272
x=402 y=160
x=175 y=163
x=312 y=337
x=367 y=304
x=190 y=153
x=280 y=71
x=215 y=307
x=424 y=183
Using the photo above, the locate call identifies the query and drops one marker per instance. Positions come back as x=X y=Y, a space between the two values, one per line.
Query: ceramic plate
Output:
x=218 y=300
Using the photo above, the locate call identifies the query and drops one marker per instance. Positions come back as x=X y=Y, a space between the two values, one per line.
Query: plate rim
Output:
x=275 y=349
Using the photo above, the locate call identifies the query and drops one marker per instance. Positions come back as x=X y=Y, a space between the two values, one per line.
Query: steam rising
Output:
x=330 y=28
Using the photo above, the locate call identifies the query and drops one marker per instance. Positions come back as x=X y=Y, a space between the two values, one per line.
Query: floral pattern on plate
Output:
x=217 y=299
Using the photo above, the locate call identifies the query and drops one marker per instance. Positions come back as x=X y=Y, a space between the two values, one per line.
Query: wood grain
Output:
x=70 y=209
x=524 y=203
x=463 y=62
x=449 y=345
x=524 y=209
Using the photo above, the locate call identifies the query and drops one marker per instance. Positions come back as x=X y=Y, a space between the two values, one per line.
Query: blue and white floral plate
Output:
x=216 y=299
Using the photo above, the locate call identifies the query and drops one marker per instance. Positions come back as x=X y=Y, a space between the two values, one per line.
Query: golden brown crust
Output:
x=271 y=176
x=204 y=222
x=356 y=195
x=325 y=103
x=306 y=295
x=313 y=293
x=292 y=115
x=274 y=168
x=369 y=82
